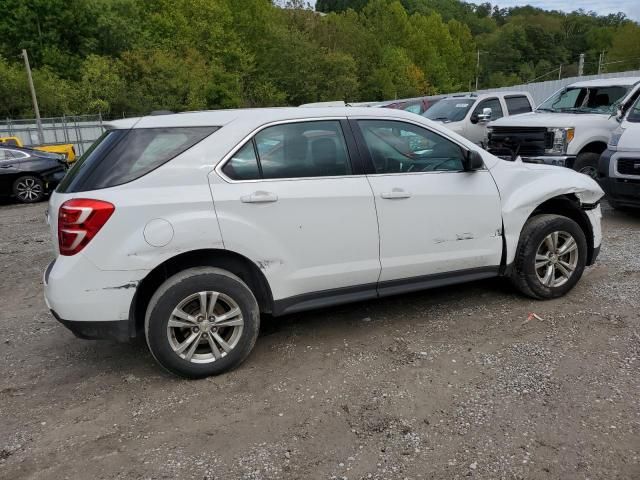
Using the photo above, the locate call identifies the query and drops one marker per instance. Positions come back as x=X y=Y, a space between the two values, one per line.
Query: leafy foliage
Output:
x=124 y=57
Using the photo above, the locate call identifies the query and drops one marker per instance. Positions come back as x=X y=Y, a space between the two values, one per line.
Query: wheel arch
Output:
x=228 y=260
x=568 y=205
x=597 y=146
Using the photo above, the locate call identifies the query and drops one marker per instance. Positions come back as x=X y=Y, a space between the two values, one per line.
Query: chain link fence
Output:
x=80 y=130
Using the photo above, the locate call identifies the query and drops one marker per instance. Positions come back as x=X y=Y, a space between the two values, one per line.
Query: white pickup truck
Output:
x=571 y=128
x=468 y=115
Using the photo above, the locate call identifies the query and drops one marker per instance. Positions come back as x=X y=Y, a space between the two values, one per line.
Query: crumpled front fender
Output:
x=524 y=187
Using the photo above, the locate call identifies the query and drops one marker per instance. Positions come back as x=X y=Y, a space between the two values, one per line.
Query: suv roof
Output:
x=475 y=96
x=605 y=82
x=257 y=116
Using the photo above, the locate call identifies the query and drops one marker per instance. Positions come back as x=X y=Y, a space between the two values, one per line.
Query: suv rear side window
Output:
x=292 y=150
x=516 y=105
x=121 y=156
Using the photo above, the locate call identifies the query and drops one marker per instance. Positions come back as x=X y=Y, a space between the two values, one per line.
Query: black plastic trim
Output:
x=110 y=330
x=393 y=287
x=337 y=296
x=324 y=298
x=357 y=164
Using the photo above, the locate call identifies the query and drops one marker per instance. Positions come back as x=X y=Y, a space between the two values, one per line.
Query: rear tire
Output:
x=587 y=163
x=28 y=189
x=202 y=321
x=551 y=256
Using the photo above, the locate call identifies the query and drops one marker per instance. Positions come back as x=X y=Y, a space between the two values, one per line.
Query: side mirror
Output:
x=485 y=116
x=473 y=161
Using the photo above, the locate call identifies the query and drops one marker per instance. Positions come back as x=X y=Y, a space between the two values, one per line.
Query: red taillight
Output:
x=79 y=220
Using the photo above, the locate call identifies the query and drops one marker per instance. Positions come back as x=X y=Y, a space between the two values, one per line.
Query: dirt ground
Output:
x=442 y=384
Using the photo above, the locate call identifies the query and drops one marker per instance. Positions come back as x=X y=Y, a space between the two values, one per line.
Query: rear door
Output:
x=294 y=199
x=435 y=218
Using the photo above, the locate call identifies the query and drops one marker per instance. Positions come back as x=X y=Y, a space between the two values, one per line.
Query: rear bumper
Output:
x=111 y=330
x=92 y=303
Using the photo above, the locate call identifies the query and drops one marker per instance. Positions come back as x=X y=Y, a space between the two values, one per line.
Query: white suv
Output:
x=187 y=227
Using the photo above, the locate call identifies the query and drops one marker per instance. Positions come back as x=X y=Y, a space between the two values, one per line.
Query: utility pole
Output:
x=581 y=65
x=560 y=72
x=33 y=96
x=477 y=69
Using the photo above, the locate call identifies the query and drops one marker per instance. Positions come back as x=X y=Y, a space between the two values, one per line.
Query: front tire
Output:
x=202 y=321
x=587 y=163
x=28 y=189
x=551 y=256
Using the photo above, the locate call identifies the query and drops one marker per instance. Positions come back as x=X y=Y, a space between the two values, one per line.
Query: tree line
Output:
x=127 y=57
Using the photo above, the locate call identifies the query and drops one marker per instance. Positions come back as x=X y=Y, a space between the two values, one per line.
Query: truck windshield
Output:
x=603 y=100
x=450 y=109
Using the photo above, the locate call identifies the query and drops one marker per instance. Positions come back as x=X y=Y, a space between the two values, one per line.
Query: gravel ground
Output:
x=444 y=384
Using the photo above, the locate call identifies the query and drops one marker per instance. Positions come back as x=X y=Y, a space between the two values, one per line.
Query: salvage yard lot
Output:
x=448 y=383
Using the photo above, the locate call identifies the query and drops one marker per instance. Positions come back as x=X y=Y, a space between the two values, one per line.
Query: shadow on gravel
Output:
x=472 y=293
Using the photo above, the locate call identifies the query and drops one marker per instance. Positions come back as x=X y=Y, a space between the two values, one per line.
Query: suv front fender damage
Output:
x=528 y=189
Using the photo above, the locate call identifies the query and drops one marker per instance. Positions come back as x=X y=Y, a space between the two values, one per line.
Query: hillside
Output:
x=132 y=56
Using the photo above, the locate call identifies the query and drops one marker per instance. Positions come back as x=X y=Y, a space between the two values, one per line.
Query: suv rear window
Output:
x=516 y=105
x=121 y=156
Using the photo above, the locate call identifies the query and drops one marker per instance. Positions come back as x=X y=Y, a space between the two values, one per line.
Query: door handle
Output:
x=396 y=193
x=259 y=197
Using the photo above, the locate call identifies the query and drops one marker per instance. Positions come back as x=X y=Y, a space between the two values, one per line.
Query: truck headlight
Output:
x=561 y=139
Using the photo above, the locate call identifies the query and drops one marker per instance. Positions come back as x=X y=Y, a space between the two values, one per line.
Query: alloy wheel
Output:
x=28 y=189
x=205 y=327
x=556 y=259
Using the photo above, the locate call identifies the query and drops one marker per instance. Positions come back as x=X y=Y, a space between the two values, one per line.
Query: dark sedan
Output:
x=29 y=175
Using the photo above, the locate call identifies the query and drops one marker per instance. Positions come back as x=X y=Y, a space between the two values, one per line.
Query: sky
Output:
x=602 y=7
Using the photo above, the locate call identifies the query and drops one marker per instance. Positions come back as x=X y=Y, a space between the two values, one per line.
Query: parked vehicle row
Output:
x=571 y=128
x=184 y=228
x=468 y=115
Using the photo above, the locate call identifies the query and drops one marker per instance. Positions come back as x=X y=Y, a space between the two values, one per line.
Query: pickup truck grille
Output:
x=629 y=166
x=524 y=141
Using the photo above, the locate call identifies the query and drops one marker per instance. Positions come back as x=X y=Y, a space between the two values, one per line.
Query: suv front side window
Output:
x=398 y=147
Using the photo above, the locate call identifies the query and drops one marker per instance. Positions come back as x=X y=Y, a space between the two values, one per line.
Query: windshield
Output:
x=585 y=100
x=450 y=109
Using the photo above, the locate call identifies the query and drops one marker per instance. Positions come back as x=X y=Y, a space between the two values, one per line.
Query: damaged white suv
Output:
x=186 y=227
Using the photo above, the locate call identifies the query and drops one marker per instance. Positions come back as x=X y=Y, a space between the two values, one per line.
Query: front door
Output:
x=476 y=130
x=434 y=218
